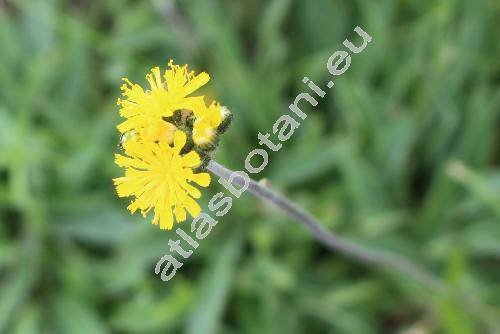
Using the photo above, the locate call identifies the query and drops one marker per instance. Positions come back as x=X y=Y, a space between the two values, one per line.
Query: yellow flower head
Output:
x=206 y=122
x=159 y=177
x=169 y=92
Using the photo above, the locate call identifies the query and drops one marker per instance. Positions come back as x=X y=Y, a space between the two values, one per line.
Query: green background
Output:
x=402 y=155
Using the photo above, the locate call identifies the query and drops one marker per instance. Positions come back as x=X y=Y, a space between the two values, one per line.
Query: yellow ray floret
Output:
x=206 y=122
x=159 y=177
x=167 y=93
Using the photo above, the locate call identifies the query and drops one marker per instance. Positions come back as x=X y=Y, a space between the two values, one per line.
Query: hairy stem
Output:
x=329 y=239
x=368 y=256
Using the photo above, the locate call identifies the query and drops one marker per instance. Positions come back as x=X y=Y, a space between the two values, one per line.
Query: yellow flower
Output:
x=206 y=122
x=168 y=93
x=159 y=177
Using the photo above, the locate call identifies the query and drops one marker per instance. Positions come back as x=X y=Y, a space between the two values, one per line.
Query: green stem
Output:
x=368 y=256
x=330 y=240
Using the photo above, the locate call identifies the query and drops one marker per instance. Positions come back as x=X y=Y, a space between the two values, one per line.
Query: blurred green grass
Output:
x=402 y=155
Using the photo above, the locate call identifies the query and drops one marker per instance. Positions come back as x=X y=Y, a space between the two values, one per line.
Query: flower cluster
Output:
x=167 y=138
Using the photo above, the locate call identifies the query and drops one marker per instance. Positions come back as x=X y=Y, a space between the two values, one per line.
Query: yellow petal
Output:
x=203 y=179
x=123 y=161
x=197 y=82
x=167 y=220
x=193 y=208
x=192 y=159
x=179 y=141
x=180 y=213
x=195 y=104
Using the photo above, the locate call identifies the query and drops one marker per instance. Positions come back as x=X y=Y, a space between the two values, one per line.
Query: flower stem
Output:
x=329 y=239
x=370 y=257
